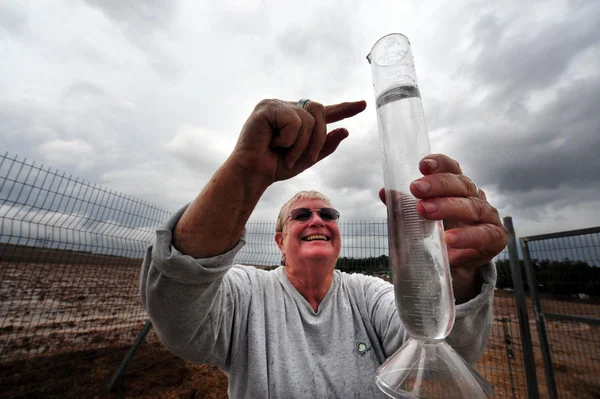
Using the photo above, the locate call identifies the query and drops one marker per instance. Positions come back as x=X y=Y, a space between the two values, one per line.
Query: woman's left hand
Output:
x=474 y=233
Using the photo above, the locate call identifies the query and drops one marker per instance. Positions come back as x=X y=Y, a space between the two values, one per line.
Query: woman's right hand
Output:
x=280 y=139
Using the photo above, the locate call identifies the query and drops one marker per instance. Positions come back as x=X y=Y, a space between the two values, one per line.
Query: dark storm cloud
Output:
x=565 y=144
x=555 y=146
x=517 y=62
x=535 y=132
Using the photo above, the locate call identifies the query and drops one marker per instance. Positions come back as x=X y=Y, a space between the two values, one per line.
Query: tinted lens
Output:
x=328 y=214
x=304 y=214
x=301 y=214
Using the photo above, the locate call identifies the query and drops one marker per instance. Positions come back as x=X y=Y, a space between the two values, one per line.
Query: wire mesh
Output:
x=502 y=363
x=70 y=255
x=567 y=272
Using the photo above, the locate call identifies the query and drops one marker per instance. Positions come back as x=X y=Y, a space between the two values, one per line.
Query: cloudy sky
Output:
x=148 y=97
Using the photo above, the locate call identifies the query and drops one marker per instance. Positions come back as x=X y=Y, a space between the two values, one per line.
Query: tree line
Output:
x=371 y=265
x=565 y=277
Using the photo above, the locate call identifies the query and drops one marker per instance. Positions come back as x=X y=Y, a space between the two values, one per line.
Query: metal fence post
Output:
x=528 y=359
x=116 y=378
x=539 y=321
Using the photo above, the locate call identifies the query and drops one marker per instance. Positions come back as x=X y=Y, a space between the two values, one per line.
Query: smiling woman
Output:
x=310 y=243
x=303 y=330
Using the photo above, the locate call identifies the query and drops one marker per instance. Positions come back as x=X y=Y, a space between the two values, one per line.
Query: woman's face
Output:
x=310 y=240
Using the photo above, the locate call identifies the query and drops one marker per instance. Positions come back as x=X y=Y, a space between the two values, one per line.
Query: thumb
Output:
x=332 y=141
x=382 y=196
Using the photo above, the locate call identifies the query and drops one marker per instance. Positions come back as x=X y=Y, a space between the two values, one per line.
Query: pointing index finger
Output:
x=338 y=112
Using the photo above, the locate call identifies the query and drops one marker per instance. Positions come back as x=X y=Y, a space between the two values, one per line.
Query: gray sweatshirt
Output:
x=261 y=331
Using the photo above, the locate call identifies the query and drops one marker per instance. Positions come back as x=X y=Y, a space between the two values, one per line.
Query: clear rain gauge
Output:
x=425 y=366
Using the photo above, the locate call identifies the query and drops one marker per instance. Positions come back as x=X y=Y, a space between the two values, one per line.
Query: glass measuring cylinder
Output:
x=425 y=366
x=418 y=255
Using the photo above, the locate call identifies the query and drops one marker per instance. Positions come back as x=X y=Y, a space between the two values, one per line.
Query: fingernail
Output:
x=422 y=186
x=451 y=239
x=432 y=163
x=430 y=207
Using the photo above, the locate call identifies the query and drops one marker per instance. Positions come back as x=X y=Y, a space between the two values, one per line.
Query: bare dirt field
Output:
x=64 y=328
x=574 y=347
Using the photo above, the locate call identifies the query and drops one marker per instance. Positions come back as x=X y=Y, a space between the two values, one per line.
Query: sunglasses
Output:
x=304 y=214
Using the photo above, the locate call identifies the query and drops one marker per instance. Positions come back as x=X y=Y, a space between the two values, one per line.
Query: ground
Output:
x=155 y=373
x=64 y=329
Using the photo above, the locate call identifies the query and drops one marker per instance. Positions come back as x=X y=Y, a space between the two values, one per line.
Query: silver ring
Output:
x=303 y=103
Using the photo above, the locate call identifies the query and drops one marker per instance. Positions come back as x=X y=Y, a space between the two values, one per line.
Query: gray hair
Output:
x=286 y=208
